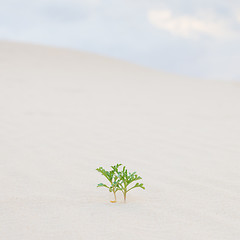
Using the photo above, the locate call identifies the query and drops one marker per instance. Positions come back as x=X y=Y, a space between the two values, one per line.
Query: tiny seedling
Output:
x=120 y=180
x=125 y=179
x=112 y=178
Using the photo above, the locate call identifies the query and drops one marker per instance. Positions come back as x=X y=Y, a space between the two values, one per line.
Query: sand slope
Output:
x=64 y=113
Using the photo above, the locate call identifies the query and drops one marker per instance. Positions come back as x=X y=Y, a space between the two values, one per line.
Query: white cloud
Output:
x=238 y=15
x=188 y=26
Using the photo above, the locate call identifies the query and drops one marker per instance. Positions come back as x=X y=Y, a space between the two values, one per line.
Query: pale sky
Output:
x=199 y=38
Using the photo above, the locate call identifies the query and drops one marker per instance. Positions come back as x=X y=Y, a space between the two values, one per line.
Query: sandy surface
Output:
x=64 y=113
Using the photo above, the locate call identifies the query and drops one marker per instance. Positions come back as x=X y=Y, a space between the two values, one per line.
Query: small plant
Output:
x=125 y=179
x=120 y=180
x=111 y=177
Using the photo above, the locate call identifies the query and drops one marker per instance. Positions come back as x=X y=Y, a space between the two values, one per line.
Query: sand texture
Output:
x=64 y=113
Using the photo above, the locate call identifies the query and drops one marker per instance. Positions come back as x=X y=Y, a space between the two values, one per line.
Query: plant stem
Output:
x=115 y=198
x=125 y=197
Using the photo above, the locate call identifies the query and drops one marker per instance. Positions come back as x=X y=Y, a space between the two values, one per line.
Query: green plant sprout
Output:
x=120 y=180
x=125 y=179
x=111 y=177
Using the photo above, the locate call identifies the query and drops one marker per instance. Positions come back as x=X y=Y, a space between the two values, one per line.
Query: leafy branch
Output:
x=125 y=179
x=111 y=177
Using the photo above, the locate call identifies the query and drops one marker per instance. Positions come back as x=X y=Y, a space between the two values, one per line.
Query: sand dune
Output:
x=64 y=113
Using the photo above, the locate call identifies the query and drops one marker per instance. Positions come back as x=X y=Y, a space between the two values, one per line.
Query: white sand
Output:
x=65 y=113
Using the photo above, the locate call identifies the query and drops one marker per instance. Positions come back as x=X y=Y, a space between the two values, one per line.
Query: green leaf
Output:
x=136 y=185
x=102 y=185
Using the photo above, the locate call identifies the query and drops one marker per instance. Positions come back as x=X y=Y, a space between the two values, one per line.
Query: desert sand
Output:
x=64 y=113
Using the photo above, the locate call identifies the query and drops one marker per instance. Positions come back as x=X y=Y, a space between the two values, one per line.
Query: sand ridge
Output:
x=64 y=113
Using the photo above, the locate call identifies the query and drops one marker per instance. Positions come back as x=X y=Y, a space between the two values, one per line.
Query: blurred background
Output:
x=188 y=37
